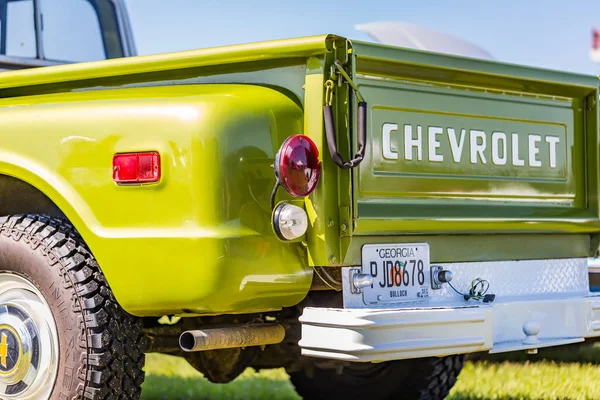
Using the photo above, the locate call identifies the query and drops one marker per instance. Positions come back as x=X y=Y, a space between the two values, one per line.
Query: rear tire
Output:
x=100 y=348
x=419 y=379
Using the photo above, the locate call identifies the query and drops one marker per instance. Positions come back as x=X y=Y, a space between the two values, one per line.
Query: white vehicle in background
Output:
x=418 y=37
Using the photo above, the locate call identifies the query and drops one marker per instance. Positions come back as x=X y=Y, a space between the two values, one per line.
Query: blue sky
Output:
x=552 y=34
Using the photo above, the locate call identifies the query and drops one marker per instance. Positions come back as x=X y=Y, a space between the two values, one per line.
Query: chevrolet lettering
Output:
x=477 y=146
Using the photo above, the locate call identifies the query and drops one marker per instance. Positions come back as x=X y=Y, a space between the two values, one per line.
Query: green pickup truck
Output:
x=358 y=214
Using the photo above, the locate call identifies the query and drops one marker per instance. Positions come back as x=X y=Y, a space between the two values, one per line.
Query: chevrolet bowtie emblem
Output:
x=3 y=350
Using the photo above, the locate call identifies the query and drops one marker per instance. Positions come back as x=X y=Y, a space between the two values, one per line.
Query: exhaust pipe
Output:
x=231 y=337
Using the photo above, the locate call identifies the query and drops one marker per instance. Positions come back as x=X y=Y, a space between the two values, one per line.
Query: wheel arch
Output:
x=24 y=190
x=21 y=197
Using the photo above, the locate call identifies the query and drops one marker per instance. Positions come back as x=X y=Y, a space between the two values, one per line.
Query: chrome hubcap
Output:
x=28 y=341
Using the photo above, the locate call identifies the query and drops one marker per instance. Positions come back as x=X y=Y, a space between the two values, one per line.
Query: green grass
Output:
x=570 y=372
x=173 y=378
x=512 y=381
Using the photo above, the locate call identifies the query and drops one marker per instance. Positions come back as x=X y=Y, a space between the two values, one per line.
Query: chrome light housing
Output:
x=289 y=221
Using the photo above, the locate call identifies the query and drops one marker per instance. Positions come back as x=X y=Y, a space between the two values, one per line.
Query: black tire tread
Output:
x=418 y=379
x=432 y=380
x=111 y=342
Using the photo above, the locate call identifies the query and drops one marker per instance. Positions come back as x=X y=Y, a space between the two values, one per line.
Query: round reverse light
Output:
x=289 y=221
x=297 y=165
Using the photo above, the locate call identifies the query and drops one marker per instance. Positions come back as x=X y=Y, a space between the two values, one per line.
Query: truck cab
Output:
x=37 y=33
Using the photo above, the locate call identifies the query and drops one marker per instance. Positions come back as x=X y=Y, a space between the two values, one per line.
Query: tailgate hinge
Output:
x=329 y=123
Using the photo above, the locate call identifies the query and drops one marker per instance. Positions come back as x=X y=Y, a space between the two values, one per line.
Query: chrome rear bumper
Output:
x=538 y=304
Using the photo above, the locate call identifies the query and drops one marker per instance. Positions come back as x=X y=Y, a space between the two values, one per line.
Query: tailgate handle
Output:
x=330 y=132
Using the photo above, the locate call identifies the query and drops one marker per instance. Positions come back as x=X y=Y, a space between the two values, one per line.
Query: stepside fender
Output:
x=200 y=240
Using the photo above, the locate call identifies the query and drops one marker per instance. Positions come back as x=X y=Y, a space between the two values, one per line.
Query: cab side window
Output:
x=71 y=31
x=17 y=28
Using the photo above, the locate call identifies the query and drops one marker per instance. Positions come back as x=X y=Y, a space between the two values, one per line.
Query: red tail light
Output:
x=297 y=165
x=136 y=167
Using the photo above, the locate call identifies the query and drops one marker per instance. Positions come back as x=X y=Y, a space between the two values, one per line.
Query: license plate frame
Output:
x=401 y=273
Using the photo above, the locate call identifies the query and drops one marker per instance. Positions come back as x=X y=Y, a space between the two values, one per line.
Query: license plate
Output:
x=400 y=272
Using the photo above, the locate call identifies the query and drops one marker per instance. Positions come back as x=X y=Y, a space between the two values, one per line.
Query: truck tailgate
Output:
x=463 y=145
